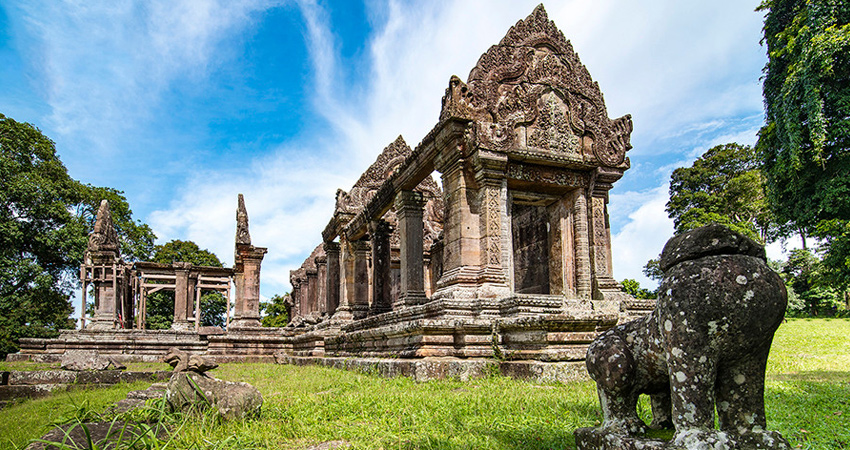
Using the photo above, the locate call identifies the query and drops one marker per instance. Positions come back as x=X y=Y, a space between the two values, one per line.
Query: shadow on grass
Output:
x=540 y=436
x=811 y=409
x=819 y=376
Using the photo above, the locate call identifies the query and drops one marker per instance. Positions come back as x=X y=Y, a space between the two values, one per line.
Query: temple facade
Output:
x=489 y=239
x=515 y=249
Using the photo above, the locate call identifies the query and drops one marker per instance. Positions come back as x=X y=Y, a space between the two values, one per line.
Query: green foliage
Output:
x=652 y=269
x=276 y=311
x=723 y=186
x=835 y=244
x=632 y=287
x=809 y=292
x=805 y=141
x=184 y=251
x=160 y=305
x=45 y=219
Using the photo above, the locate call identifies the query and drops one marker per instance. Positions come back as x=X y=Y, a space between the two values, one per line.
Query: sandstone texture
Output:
x=704 y=347
x=191 y=391
x=86 y=360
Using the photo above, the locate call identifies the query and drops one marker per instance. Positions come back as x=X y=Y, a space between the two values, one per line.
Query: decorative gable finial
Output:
x=103 y=237
x=243 y=237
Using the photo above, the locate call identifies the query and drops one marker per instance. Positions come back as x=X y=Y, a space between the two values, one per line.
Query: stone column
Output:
x=182 y=296
x=346 y=289
x=103 y=259
x=333 y=274
x=494 y=244
x=296 y=294
x=105 y=293
x=360 y=305
x=321 y=284
x=601 y=235
x=379 y=232
x=247 y=311
x=582 y=246
x=312 y=289
x=409 y=210
x=461 y=247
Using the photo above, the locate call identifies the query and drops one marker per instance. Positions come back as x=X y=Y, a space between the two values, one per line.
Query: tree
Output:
x=45 y=219
x=276 y=311
x=40 y=240
x=804 y=278
x=804 y=143
x=723 y=186
x=652 y=269
x=160 y=305
x=632 y=287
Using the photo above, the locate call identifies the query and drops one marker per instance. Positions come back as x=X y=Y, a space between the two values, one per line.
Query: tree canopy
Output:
x=45 y=218
x=276 y=311
x=805 y=144
x=723 y=186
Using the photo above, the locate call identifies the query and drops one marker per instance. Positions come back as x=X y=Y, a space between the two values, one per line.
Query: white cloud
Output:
x=672 y=65
x=105 y=65
x=643 y=237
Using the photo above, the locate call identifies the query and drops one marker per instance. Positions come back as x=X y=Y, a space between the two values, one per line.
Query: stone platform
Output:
x=426 y=369
x=252 y=344
x=16 y=385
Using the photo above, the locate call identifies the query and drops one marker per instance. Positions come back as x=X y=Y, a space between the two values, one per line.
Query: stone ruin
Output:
x=704 y=347
x=512 y=257
x=508 y=257
x=118 y=327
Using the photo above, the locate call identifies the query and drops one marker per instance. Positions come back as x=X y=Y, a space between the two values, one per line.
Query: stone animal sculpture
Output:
x=190 y=389
x=183 y=362
x=704 y=347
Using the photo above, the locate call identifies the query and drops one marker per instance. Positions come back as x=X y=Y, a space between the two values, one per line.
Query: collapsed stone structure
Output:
x=117 y=326
x=513 y=256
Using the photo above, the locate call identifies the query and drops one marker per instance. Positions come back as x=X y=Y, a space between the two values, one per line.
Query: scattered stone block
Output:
x=191 y=391
x=87 y=360
x=704 y=347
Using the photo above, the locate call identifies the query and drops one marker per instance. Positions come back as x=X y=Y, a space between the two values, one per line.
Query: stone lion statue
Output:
x=703 y=348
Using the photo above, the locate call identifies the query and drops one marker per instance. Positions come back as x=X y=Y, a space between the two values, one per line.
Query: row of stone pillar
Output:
x=340 y=283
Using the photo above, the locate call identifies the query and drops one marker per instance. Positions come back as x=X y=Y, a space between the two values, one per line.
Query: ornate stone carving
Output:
x=546 y=175
x=103 y=237
x=531 y=92
x=242 y=234
x=371 y=180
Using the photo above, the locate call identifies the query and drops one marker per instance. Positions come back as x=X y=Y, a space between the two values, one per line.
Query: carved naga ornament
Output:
x=531 y=94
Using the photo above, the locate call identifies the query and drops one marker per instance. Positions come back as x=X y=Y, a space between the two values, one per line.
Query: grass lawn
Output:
x=807 y=395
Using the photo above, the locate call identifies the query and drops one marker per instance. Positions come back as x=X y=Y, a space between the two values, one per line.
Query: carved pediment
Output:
x=531 y=93
x=364 y=189
x=355 y=200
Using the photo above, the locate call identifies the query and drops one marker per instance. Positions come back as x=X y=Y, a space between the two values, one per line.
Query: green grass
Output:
x=31 y=419
x=807 y=394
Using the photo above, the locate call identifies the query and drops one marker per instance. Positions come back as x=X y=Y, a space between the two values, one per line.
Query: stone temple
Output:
x=508 y=255
x=512 y=257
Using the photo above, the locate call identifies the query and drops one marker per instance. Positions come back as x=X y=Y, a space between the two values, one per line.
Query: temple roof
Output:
x=531 y=93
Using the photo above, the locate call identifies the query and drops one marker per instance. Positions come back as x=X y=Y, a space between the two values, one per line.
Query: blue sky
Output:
x=183 y=104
